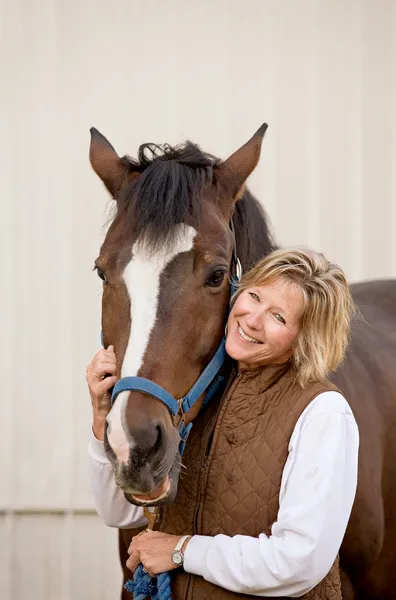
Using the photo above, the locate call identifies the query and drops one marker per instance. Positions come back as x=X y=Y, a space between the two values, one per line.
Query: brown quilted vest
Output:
x=234 y=460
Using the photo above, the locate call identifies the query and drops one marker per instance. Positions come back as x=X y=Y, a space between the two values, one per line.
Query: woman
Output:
x=276 y=465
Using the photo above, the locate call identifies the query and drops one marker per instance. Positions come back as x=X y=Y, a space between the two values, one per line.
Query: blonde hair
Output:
x=328 y=307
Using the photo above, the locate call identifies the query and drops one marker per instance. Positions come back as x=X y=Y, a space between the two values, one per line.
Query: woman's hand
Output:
x=103 y=364
x=154 y=550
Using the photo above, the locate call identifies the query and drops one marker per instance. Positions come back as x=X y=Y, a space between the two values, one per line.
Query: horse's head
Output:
x=165 y=265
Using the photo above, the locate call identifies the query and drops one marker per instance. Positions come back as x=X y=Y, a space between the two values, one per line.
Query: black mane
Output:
x=252 y=232
x=169 y=192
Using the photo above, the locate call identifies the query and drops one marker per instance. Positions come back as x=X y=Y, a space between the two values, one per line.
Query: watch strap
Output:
x=180 y=543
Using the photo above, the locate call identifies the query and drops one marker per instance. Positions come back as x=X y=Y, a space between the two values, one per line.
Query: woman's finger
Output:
x=104 y=386
x=99 y=372
x=103 y=356
x=133 y=562
x=109 y=352
x=108 y=356
x=100 y=355
x=100 y=369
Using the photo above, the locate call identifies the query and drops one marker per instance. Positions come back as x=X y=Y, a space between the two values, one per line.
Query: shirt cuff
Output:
x=195 y=553
x=96 y=449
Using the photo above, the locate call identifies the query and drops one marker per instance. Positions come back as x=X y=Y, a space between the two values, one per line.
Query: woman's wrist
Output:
x=183 y=549
x=98 y=427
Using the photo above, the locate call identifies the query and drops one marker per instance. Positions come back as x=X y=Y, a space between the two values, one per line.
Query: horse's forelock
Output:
x=167 y=192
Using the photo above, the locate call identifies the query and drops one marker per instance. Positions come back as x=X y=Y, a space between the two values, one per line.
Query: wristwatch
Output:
x=177 y=554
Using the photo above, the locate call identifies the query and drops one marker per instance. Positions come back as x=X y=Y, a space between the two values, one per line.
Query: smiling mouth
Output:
x=246 y=337
x=160 y=493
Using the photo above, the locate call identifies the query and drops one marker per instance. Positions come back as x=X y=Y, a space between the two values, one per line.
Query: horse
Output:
x=181 y=215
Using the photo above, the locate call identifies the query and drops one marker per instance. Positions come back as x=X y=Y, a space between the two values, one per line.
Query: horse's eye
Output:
x=216 y=279
x=101 y=275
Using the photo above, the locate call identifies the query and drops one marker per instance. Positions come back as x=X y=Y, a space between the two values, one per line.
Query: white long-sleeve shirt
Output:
x=317 y=492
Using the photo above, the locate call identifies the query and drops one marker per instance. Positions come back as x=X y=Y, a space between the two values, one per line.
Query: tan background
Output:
x=322 y=73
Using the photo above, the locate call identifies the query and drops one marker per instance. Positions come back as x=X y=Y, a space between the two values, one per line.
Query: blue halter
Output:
x=210 y=381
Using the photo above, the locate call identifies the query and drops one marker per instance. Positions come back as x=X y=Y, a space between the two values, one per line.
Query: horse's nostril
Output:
x=151 y=447
x=158 y=441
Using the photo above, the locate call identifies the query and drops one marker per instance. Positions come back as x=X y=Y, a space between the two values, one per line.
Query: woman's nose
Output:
x=255 y=320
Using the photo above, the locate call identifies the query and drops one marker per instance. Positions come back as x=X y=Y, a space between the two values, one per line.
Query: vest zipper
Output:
x=209 y=445
x=212 y=438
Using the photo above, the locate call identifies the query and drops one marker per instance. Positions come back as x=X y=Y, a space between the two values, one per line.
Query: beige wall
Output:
x=320 y=72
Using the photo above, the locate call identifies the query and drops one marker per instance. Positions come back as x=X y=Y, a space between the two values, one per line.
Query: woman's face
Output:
x=264 y=324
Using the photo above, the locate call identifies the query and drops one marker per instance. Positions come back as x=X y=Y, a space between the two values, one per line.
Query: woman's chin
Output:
x=235 y=349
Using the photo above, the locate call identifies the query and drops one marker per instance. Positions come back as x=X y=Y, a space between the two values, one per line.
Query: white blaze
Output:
x=142 y=279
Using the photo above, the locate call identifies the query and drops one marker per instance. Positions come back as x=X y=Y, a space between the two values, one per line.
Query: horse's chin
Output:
x=164 y=494
x=160 y=493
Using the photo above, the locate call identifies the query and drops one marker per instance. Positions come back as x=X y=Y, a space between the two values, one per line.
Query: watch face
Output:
x=177 y=557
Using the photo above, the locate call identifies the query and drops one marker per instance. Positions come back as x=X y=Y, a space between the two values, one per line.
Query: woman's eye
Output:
x=216 y=279
x=254 y=296
x=280 y=318
x=101 y=275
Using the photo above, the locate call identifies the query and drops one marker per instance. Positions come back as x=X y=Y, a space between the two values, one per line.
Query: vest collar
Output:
x=261 y=378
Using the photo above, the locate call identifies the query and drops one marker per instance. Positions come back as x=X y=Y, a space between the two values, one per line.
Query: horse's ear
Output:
x=234 y=171
x=107 y=164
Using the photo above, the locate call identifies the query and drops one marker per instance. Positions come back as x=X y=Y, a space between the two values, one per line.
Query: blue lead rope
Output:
x=144 y=586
